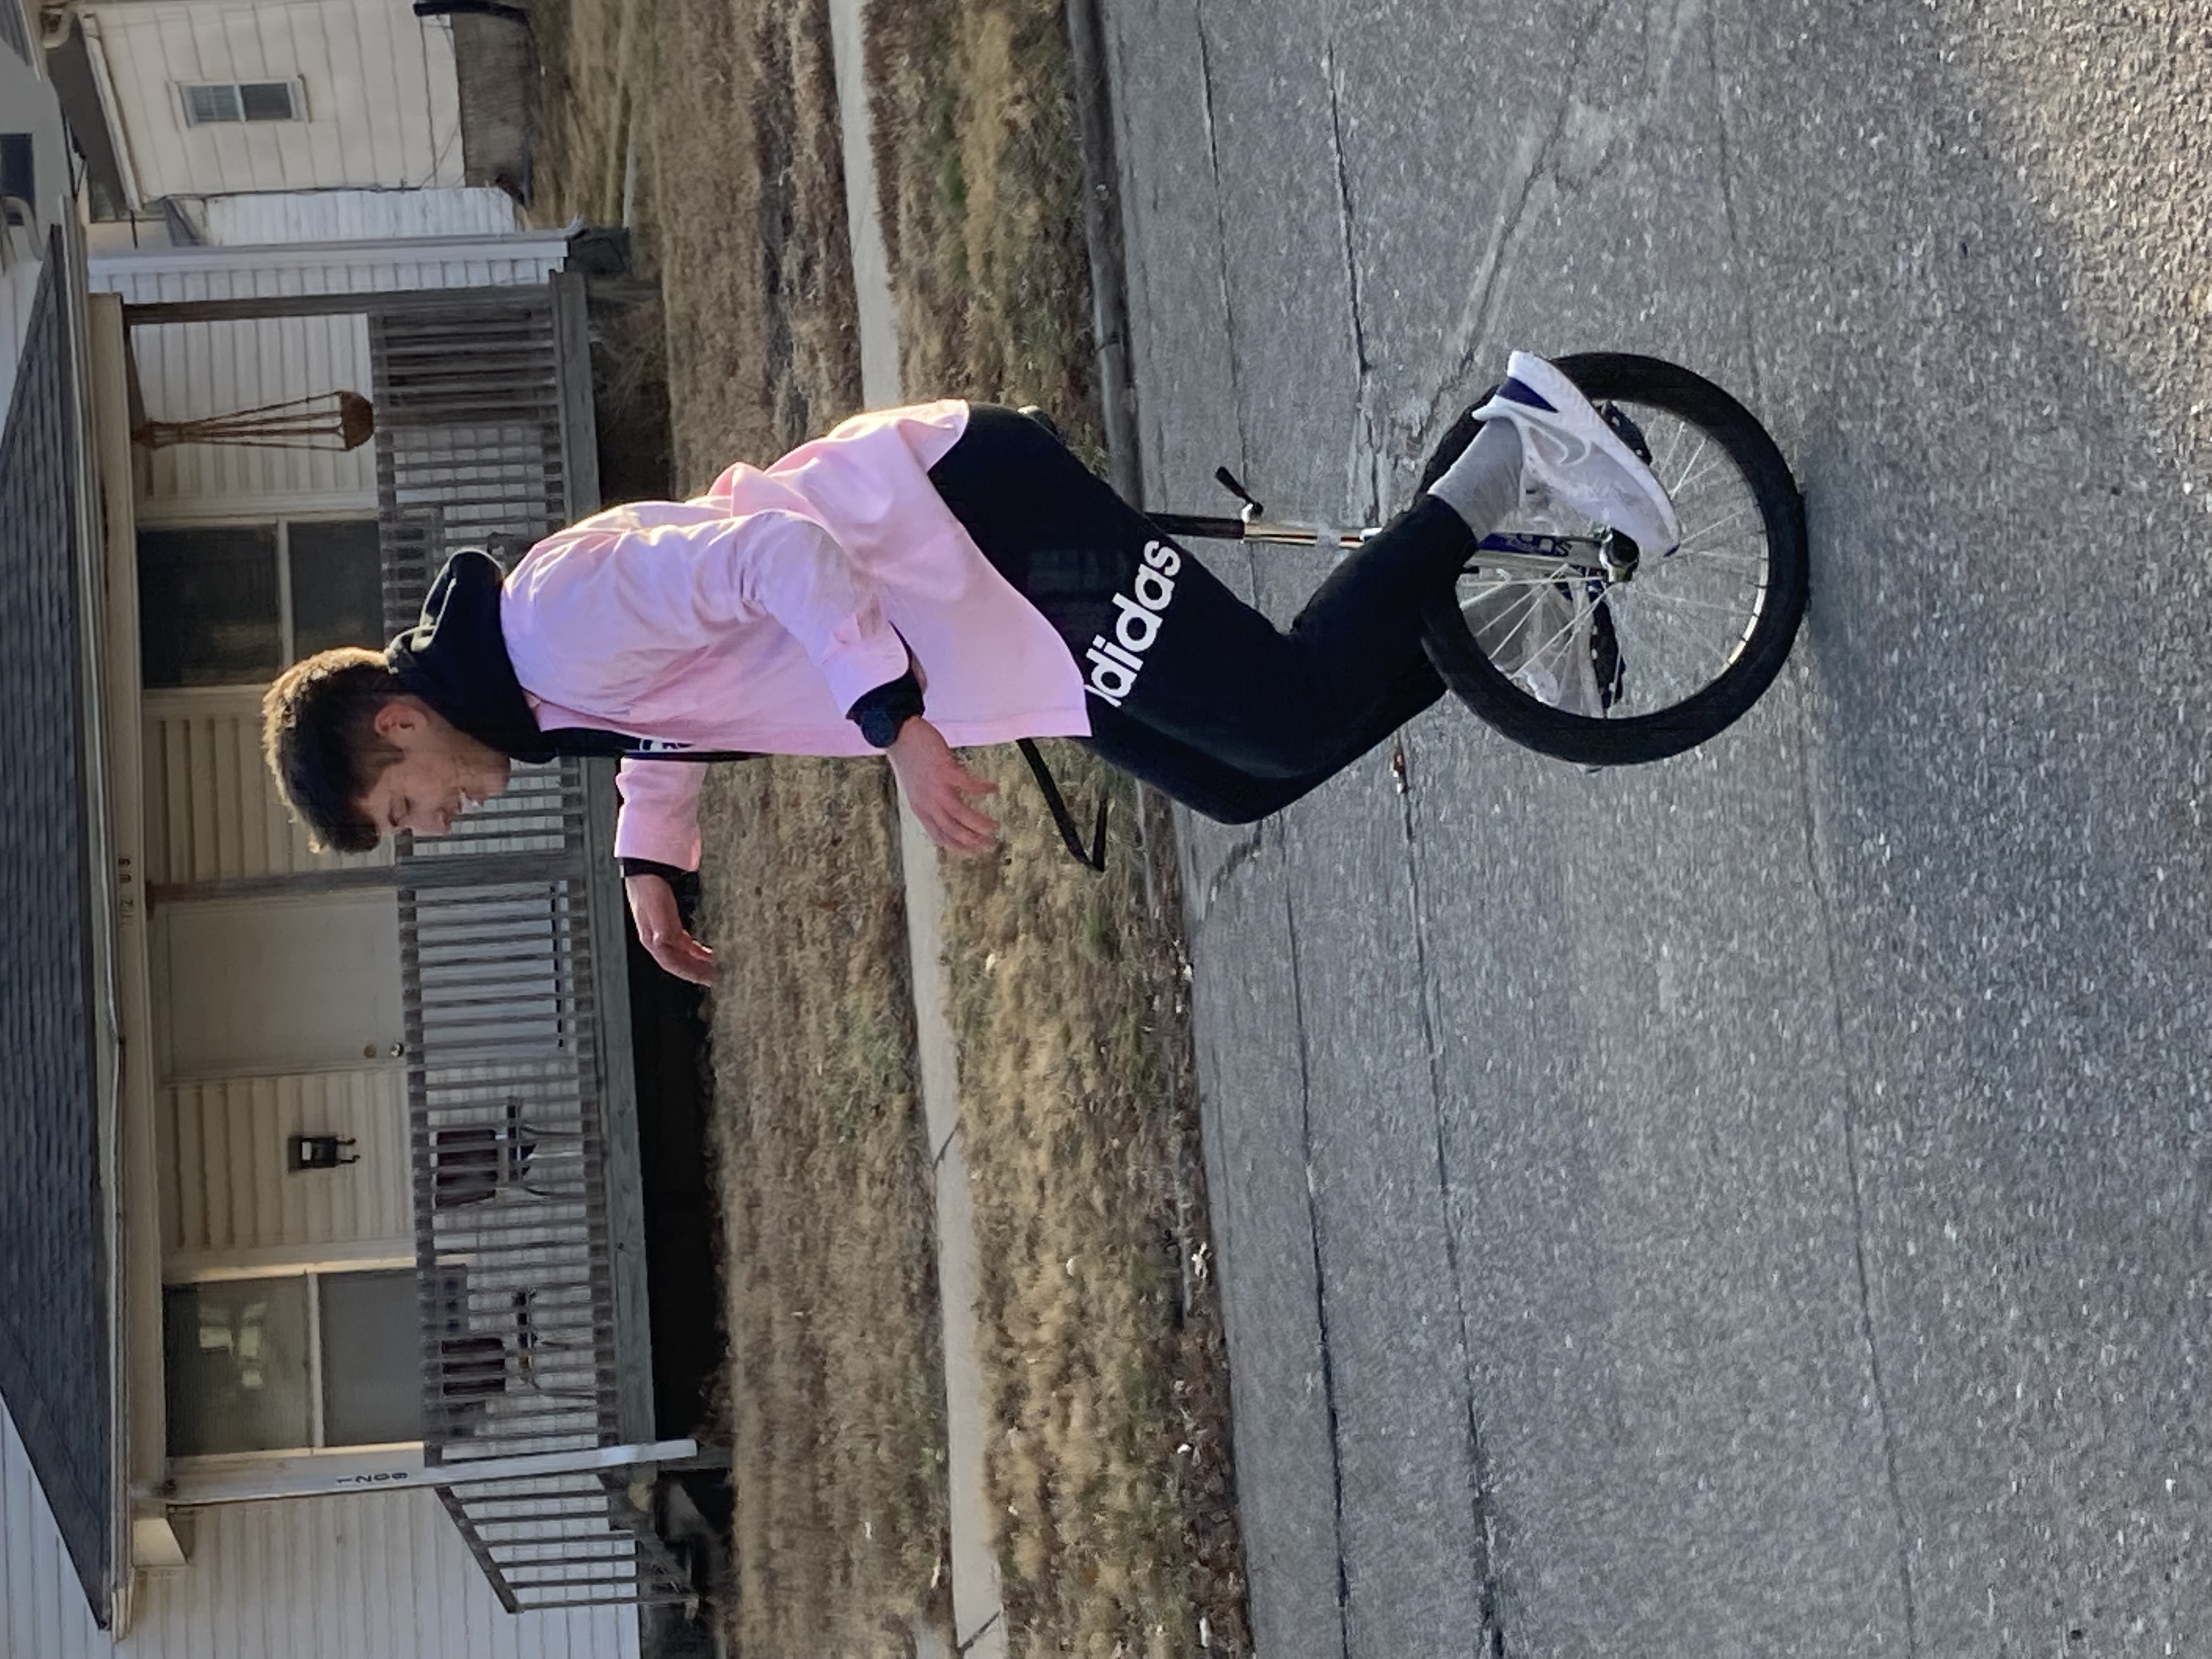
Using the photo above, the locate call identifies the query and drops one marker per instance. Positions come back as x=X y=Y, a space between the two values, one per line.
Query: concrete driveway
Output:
x=1753 y=1205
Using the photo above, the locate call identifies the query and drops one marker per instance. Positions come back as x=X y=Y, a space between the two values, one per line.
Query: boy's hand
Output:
x=939 y=788
x=660 y=929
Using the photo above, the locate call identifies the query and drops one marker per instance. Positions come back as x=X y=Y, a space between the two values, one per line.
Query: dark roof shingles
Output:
x=54 y=1326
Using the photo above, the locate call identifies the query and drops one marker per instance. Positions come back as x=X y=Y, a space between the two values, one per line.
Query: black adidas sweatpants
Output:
x=1190 y=689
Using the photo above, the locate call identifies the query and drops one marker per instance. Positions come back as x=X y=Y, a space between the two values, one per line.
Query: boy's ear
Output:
x=396 y=717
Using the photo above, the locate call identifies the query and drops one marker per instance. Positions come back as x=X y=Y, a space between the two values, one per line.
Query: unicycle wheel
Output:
x=1569 y=641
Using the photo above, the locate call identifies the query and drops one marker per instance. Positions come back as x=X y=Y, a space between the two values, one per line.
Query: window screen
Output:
x=207 y=606
x=237 y=1352
x=372 y=1359
x=338 y=584
x=205 y=105
x=210 y=104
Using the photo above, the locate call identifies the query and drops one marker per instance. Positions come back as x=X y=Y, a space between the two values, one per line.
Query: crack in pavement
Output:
x=1321 y=1288
x=1365 y=447
x=1464 y=338
x=1726 y=145
x=1221 y=230
x=1817 y=878
x=1478 y=1477
x=1233 y=861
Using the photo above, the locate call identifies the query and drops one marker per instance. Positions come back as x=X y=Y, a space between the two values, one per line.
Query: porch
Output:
x=533 y=1410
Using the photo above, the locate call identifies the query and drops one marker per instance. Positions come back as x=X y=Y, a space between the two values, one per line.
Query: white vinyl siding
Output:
x=354 y=1578
x=19 y=292
x=193 y=370
x=212 y=814
x=441 y=260
x=15 y=29
x=366 y=1576
x=42 y=1605
x=344 y=216
x=226 y=1190
x=379 y=101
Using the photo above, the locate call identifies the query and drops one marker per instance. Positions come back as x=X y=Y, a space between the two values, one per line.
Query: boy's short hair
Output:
x=318 y=736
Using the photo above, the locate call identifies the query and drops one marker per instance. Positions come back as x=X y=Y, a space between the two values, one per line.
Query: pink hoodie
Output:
x=754 y=616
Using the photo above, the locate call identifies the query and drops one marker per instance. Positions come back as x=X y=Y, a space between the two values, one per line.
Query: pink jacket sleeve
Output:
x=794 y=569
x=623 y=604
x=659 y=815
x=642 y=595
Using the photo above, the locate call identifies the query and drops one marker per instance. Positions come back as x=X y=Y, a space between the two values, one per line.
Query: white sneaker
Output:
x=1569 y=454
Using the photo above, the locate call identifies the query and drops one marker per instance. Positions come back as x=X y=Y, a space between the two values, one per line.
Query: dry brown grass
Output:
x=595 y=58
x=747 y=193
x=981 y=180
x=836 y=1372
x=1103 y=1356
x=836 y=1412
x=741 y=204
x=1101 y=1340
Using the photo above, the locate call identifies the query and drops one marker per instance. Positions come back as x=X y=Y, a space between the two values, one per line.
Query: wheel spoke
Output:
x=1651 y=595
x=1486 y=581
x=1717 y=525
x=1559 y=636
x=1695 y=469
x=1529 y=565
x=1520 y=615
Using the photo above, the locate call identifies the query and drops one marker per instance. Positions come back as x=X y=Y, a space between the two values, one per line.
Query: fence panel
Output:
x=520 y=1343
x=565 y=1540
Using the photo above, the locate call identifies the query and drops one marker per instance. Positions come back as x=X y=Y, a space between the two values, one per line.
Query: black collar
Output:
x=455 y=660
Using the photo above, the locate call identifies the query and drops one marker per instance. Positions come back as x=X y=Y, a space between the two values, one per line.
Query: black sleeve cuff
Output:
x=879 y=713
x=667 y=872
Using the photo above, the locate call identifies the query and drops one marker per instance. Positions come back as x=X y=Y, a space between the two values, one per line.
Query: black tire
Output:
x=1633 y=738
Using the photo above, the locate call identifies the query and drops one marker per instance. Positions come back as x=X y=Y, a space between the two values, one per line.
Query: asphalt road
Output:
x=1753 y=1205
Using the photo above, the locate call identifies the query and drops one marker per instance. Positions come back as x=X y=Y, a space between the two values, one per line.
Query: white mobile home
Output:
x=219 y=97
x=321 y=1323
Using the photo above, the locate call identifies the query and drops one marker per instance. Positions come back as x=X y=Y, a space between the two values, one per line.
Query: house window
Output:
x=214 y=104
x=19 y=177
x=233 y=604
x=306 y=1361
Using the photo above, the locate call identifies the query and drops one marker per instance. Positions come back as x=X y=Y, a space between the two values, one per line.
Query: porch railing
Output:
x=564 y=1540
x=529 y=1233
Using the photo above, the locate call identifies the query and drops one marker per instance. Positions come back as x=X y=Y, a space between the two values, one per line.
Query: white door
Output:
x=264 y=986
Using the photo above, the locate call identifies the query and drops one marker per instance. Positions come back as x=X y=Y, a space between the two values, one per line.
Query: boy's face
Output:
x=441 y=771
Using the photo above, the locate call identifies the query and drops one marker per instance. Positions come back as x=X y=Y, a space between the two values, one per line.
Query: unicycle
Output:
x=1568 y=638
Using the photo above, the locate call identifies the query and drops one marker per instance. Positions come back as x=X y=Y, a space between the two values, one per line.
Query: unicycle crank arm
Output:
x=1276 y=532
x=1542 y=557
x=1535 y=568
x=1198 y=527
x=1283 y=532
